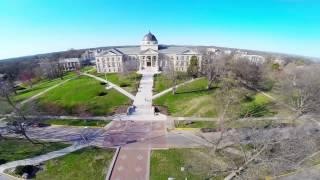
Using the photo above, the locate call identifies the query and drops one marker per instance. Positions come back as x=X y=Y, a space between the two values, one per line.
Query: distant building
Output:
x=256 y=59
x=227 y=52
x=149 y=55
x=70 y=64
x=89 y=56
x=3 y=76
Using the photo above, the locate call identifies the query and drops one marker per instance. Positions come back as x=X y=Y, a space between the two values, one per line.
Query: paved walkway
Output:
x=170 y=89
x=41 y=158
x=122 y=91
x=143 y=98
x=102 y=118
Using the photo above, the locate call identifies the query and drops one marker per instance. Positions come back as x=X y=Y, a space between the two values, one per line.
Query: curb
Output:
x=113 y=162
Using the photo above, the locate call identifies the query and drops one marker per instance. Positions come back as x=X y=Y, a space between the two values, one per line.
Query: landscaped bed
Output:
x=77 y=122
x=12 y=149
x=82 y=96
x=88 y=163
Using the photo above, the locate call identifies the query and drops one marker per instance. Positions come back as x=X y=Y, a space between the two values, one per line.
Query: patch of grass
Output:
x=196 y=124
x=129 y=82
x=39 y=87
x=230 y=124
x=192 y=99
x=161 y=82
x=77 y=122
x=5 y=108
x=88 y=163
x=12 y=149
x=196 y=163
x=257 y=106
x=81 y=96
x=87 y=68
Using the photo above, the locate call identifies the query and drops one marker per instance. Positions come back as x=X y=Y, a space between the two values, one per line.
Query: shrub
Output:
x=2 y=161
x=102 y=93
x=29 y=169
x=124 y=84
x=254 y=110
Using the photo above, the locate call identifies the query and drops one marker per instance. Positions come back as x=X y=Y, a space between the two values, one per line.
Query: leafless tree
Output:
x=249 y=73
x=300 y=87
x=216 y=68
x=171 y=73
x=27 y=76
x=18 y=122
x=51 y=69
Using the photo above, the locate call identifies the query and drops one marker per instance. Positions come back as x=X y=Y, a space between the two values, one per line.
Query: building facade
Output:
x=70 y=64
x=149 y=55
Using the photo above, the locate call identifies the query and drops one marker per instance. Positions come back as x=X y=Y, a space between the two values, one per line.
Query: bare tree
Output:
x=51 y=69
x=249 y=73
x=300 y=87
x=27 y=76
x=171 y=73
x=215 y=68
x=19 y=123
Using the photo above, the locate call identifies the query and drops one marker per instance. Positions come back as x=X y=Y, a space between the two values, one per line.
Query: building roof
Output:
x=149 y=37
x=135 y=50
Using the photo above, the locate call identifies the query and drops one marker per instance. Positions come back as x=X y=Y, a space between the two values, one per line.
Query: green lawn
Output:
x=257 y=106
x=5 y=108
x=229 y=124
x=82 y=96
x=195 y=100
x=161 y=82
x=39 y=87
x=196 y=163
x=12 y=149
x=87 y=68
x=77 y=122
x=192 y=99
x=88 y=163
x=129 y=82
x=196 y=124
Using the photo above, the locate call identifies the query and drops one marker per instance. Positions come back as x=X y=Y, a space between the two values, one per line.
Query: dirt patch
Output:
x=121 y=109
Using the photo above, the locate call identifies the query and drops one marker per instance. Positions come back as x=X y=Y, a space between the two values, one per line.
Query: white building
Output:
x=148 y=55
x=256 y=59
x=70 y=64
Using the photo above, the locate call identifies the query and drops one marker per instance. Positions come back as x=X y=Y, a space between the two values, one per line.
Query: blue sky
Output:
x=39 y=26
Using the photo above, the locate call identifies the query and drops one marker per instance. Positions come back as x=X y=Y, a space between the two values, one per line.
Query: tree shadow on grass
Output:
x=197 y=91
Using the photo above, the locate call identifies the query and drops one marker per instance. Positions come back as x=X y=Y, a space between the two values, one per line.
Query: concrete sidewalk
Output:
x=170 y=89
x=132 y=163
x=41 y=158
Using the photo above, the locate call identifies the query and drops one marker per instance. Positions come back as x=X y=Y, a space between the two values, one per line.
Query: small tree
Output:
x=193 y=69
x=27 y=76
x=171 y=73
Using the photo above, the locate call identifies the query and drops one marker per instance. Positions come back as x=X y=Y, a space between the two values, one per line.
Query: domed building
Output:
x=149 y=55
x=149 y=41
